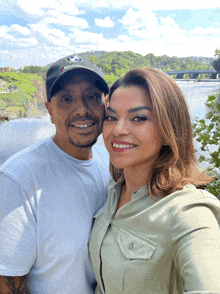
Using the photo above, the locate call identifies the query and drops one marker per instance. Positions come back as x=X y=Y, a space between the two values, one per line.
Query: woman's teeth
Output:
x=122 y=146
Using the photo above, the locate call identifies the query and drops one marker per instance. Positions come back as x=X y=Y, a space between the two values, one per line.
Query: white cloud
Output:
x=143 y=25
x=106 y=22
x=26 y=42
x=44 y=30
x=205 y=31
x=3 y=31
x=90 y=40
x=66 y=20
x=217 y=23
x=141 y=20
x=40 y=7
x=19 y=29
x=10 y=36
x=153 y=5
x=50 y=36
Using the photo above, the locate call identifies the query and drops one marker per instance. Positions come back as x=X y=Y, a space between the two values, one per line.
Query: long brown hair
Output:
x=176 y=164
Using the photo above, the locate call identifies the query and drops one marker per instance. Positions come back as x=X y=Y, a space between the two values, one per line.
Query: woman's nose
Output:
x=121 y=128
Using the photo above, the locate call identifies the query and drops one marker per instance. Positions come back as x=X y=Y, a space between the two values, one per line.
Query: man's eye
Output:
x=139 y=118
x=95 y=96
x=66 y=99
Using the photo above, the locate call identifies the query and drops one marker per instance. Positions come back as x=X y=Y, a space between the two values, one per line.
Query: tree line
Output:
x=115 y=64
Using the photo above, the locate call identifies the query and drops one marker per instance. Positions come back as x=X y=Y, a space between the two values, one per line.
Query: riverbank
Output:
x=209 y=80
x=198 y=80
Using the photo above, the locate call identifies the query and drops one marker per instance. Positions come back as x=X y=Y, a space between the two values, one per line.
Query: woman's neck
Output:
x=135 y=179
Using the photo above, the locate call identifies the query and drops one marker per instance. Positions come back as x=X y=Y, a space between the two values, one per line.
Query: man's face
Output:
x=77 y=112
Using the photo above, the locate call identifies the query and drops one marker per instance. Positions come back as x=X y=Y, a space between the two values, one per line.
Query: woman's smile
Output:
x=130 y=130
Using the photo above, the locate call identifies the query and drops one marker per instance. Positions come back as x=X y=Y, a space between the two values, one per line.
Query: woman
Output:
x=157 y=232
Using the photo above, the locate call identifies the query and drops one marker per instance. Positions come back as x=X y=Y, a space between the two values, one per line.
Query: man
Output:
x=50 y=191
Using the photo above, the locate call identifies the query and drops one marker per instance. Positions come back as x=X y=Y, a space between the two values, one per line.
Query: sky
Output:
x=39 y=32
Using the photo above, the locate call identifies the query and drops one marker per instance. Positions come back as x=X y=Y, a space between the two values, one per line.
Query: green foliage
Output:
x=24 y=91
x=110 y=79
x=40 y=70
x=118 y=63
x=216 y=62
x=207 y=133
x=217 y=53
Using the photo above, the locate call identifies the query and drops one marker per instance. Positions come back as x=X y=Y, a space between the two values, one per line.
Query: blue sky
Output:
x=38 y=32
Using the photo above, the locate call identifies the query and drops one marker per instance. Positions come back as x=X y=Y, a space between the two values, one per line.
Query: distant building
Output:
x=4 y=69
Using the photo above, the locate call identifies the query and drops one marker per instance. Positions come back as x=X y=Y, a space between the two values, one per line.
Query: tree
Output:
x=217 y=53
x=216 y=62
x=207 y=133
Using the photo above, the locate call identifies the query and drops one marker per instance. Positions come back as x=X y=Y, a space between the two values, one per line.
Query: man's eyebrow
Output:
x=89 y=88
x=132 y=109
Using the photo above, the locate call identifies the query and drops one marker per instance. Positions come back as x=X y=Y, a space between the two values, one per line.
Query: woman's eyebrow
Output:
x=132 y=109
x=111 y=109
x=139 y=108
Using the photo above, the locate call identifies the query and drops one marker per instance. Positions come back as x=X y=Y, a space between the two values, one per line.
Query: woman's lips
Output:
x=120 y=146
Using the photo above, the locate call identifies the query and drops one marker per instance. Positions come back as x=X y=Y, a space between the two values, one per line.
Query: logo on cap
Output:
x=74 y=58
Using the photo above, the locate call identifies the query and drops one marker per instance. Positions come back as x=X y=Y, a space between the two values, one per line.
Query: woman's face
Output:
x=130 y=131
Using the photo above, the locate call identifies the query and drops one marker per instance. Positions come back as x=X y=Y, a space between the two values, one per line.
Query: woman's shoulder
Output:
x=193 y=209
x=190 y=195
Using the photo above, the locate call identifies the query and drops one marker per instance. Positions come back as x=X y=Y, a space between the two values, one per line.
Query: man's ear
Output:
x=49 y=109
x=106 y=101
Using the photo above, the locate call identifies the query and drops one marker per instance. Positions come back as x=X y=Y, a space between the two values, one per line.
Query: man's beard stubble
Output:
x=89 y=143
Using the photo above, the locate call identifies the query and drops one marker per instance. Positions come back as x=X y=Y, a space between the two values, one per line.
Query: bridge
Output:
x=193 y=74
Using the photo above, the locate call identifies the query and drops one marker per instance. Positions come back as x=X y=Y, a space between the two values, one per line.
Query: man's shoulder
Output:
x=30 y=156
x=101 y=153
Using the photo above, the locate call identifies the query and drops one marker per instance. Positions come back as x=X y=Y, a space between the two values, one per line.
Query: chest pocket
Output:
x=134 y=245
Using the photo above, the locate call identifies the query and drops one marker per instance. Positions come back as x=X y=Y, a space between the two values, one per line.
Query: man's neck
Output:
x=78 y=153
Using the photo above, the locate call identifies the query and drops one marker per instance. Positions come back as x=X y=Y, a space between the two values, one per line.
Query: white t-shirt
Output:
x=47 y=203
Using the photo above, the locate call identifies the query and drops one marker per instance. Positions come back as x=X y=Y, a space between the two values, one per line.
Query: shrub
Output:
x=207 y=133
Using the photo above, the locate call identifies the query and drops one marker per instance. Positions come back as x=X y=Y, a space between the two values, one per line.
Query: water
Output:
x=196 y=95
x=18 y=134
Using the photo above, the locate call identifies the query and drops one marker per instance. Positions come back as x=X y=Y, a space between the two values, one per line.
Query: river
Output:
x=18 y=134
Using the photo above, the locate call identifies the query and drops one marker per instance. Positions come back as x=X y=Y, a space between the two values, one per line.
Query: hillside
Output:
x=22 y=95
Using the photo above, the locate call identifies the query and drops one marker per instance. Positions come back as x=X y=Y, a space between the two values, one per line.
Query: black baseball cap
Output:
x=74 y=65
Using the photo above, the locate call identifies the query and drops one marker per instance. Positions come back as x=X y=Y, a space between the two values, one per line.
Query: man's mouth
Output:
x=82 y=126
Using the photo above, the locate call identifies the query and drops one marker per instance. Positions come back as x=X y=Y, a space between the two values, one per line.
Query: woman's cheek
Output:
x=106 y=132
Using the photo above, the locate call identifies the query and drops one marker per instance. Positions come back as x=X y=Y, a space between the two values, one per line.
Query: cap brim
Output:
x=99 y=82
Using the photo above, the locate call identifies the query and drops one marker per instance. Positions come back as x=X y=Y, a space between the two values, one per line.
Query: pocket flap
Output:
x=134 y=245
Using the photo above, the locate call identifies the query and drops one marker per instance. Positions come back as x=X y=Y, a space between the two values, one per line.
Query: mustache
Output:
x=72 y=120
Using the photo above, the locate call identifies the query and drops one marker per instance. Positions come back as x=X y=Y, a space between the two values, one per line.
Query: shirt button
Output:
x=130 y=245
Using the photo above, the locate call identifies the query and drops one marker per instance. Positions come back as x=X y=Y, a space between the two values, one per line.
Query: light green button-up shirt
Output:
x=159 y=246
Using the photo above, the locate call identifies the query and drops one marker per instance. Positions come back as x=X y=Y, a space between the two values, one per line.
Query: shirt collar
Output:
x=142 y=191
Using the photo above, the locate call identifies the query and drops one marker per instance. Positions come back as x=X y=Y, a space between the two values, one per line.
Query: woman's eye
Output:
x=139 y=118
x=110 y=118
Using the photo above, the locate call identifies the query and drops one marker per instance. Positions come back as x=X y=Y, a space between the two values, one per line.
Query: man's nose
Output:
x=82 y=107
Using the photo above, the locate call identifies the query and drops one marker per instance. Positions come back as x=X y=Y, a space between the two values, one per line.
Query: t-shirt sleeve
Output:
x=197 y=248
x=17 y=228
